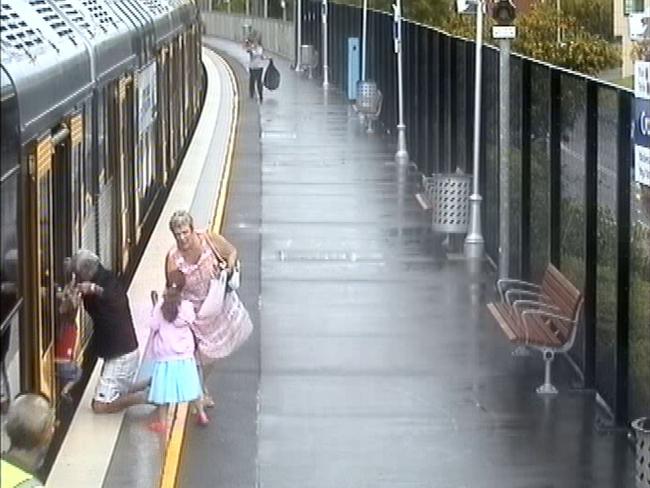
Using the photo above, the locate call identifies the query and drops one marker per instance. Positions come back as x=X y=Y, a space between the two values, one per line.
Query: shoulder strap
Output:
x=213 y=248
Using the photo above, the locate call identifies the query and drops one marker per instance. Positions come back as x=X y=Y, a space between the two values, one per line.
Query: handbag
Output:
x=271 y=76
x=234 y=277
x=215 y=299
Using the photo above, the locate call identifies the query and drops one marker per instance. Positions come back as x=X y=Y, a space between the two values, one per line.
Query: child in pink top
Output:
x=175 y=377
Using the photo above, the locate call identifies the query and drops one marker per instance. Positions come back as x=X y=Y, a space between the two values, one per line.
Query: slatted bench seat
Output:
x=545 y=319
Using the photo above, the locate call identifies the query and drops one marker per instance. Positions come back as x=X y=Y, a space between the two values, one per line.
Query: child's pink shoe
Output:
x=202 y=419
x=158 y=427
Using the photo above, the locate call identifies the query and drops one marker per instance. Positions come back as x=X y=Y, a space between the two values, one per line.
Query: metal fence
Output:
x=573 y=200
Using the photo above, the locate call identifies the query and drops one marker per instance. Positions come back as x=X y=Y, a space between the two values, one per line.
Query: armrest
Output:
x=520 y=306
x=546 y=314
x=524 y=293
x=506 y=283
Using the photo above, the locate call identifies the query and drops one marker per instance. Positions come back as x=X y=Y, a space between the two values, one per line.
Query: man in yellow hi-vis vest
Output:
x=30 y=426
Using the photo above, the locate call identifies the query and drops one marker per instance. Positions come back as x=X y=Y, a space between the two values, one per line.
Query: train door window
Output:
x=100 y=134
x=87 y=160
x=9 y=256
x=77 y=180
x=45 y=251
x=44 y=281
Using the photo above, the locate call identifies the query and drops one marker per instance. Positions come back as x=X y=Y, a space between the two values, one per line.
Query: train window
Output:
x=9 y=265
x=9 y=198
x=87 y=161
x=45 y=249
x=101 y=139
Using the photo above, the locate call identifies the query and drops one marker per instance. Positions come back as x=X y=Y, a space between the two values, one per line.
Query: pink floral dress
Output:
x=216 y=337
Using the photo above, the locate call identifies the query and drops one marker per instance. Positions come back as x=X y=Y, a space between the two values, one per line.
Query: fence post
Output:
x=623 y=199
x=591 y=232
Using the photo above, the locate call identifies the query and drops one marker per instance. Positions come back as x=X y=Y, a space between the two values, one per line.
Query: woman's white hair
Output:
x=85 y=263
x=181 y=218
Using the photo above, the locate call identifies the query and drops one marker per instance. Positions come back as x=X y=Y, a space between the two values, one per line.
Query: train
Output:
x=99 y=99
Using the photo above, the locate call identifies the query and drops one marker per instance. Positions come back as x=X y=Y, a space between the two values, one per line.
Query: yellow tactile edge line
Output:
x=172 y=459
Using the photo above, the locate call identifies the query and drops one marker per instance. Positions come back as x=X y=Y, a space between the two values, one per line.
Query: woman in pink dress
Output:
x=195 y=255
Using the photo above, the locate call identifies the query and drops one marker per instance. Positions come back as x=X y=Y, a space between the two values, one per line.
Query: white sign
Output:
x=642 y=79
x=147 y=97
x=466 y=6
x=504 y=31
x=642 y=165
x=639 y=24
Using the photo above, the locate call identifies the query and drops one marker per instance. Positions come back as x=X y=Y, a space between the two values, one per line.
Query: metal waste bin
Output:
x=367 y=97
x=308 y=58
x=246 y=31
x=449 y=194
x=642 y=434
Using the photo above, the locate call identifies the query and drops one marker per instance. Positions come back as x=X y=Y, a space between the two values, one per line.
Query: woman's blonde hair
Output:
x=181 y=218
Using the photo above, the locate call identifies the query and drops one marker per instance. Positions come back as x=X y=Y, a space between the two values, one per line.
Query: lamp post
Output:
x=298 y=33
x=474 y=242
x=402 y=155
x=364 y=37
x=326 y=68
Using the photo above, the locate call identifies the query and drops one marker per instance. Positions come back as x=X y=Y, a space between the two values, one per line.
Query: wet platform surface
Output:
x=374 y=362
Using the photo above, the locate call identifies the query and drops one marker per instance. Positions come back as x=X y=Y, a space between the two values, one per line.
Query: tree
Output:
x=578 y=49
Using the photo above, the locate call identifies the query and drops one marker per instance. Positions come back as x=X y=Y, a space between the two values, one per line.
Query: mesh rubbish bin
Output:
x=449 y=195
x=642 y=433
x=367 y=96
x=246 y=32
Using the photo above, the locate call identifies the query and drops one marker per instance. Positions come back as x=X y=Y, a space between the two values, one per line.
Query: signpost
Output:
x=326 y=68
x=402 y=155
x=504 y=32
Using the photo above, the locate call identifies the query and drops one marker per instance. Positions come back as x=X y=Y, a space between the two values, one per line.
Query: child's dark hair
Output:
x=172 y=295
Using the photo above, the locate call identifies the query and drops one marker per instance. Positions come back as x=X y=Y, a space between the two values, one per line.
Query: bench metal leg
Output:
x=521 y=352
x=547 y=388
x=371 y=128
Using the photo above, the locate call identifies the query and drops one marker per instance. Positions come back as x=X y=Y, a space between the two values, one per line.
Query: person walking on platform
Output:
x=201 y=256
x=175 y=377
x=30 y=426
x=255 y=66
x=114 y=338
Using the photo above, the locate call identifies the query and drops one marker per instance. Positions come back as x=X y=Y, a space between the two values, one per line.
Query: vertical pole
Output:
x=326 y=68
x=474 y=243
x=364 y=37
x=266 y=9
x=298 y=23
x=623 y=199
x=525 y=109
x=504 y=158
x=591 y=235
x=556 y=167
x=248 y=7
x=402 y=155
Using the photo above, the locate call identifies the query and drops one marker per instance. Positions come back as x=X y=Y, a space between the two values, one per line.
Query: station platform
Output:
x=373 y=362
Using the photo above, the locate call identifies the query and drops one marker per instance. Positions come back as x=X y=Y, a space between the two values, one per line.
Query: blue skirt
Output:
x=175 y=381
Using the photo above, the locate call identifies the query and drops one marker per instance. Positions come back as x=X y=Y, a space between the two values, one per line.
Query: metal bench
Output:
x=540 y=316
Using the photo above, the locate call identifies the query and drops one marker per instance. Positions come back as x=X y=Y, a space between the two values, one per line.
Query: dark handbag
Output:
x=271 y=76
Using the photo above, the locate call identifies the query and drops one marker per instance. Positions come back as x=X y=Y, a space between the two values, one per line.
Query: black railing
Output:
x=572 y=199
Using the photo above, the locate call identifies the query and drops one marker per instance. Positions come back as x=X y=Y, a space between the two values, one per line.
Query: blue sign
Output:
x=642 y=122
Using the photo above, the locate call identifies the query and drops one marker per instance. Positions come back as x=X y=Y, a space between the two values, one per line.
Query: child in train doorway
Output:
x=175 y=377
x=68 y=368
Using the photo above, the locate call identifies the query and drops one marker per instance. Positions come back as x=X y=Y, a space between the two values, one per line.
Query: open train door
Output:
x=125 y=189
x=40 y=286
